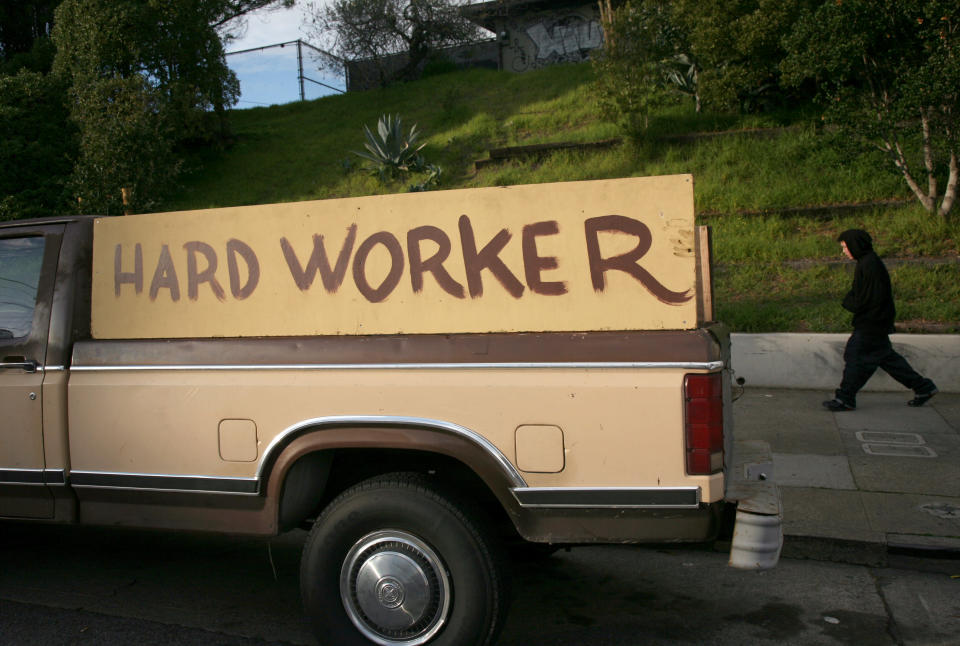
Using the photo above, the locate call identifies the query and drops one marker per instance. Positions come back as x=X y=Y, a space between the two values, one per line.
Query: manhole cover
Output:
x=899 y=450
x=885 y=437
x=942 y=510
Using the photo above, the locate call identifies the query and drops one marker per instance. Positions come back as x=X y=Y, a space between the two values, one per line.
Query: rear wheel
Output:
x=394 y=561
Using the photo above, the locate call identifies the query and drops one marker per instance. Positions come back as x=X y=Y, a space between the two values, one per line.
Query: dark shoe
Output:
x=920 y=400
x=836 y=405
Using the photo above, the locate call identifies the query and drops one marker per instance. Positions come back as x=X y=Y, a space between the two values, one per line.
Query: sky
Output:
x=269 y=76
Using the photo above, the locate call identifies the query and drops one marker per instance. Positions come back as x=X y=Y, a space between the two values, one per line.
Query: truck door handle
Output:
x=18 y=363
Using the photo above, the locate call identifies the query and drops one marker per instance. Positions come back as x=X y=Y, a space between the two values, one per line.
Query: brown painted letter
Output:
x=208 y=275
x=486 y=258
x=135 y=277
x=534 y=264
x=396 y=266
x=165 y=276
x=235 y=247
x=332 y=278
x=433 y=264
x=626 y=262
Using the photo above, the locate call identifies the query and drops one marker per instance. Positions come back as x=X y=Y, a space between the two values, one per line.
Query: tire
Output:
x=393 y=561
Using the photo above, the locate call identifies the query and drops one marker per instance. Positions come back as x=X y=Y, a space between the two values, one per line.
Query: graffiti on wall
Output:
x=548 y=39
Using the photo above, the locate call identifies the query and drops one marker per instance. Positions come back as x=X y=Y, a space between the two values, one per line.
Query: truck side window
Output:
x=20 y=262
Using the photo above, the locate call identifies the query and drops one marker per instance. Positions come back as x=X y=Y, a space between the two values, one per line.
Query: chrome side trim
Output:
x=253 y=486
x=32 y=477
x=24 y=224
x=385 y=420
x=608 y=497
x=39 y=368
x=582 y=365
x=164 y=482
x=54 y=477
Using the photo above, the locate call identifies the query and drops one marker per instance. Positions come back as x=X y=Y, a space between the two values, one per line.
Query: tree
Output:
x=724 y=54
x=144 y=76
x=227 y=16
x=22 y=23
x=171 y=44
x=889 y=75
x=134 y=82
x=126 y=141
x=640 y=49
x=224 y=11
x=37 y=145
x=376 y=29
x=737 y=46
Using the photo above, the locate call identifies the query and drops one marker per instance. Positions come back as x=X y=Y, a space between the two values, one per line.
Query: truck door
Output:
x=28 y=261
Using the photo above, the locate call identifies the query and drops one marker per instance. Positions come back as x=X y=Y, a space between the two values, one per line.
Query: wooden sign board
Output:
x=573 y=256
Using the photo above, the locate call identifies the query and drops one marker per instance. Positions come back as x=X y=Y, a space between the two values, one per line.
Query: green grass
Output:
x=771 y=297
x=903 y=233
x=763 y=283
x=301 y=151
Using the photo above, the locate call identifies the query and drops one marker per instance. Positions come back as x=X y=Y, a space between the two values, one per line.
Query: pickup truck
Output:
x=473 y=370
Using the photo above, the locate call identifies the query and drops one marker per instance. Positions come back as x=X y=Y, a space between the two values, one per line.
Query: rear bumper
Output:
x=751 y=505
x=758 y=528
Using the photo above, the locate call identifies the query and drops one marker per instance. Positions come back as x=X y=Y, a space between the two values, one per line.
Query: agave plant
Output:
x=684 y=74
x=392 y=152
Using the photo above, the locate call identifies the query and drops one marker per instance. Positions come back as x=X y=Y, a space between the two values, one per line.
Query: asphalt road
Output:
x=67 y=585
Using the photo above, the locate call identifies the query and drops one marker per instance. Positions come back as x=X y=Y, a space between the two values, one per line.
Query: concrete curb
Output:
x=835 y=550
x=858 y=552
x=815 y=361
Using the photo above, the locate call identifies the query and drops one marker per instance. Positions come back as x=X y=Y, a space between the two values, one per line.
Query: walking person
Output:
x=871 y=301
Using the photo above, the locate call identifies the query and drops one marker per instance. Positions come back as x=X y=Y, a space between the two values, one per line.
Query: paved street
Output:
x=92 y=586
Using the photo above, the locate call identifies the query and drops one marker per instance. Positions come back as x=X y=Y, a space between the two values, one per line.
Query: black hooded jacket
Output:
x=871 y=299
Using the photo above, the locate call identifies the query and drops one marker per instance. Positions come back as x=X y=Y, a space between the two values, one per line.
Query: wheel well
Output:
x=319 y=477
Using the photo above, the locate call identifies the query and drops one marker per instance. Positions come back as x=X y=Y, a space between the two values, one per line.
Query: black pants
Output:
x=867 y=351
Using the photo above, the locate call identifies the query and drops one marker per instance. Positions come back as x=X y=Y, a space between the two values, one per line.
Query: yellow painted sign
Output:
x=574 y=256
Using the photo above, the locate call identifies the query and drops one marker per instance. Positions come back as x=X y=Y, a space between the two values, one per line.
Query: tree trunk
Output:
x=223 y=122
x=696 y=89
x=606 y=22
x=950 y=195
x=928 y=155
x=417 y=51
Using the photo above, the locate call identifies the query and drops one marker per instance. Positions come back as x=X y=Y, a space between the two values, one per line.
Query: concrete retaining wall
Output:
x=815 y=361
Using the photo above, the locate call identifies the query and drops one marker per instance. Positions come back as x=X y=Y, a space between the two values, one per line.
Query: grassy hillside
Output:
x=772 y=274
x=302 y=150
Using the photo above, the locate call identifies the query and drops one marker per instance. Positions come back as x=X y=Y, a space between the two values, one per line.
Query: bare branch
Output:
x=900 y=161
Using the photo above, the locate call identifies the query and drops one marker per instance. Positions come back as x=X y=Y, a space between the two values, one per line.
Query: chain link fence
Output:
x=283 y=73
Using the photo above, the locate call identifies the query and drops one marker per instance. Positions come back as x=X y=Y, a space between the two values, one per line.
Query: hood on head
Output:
x=858 y=242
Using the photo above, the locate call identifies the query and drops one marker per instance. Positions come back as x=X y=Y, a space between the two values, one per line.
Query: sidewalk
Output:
x=860 y=486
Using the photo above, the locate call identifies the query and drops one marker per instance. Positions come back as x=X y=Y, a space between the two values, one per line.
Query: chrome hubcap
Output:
x=395 y=589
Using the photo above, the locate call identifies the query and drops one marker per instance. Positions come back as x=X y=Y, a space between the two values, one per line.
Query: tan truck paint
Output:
x=166 y=422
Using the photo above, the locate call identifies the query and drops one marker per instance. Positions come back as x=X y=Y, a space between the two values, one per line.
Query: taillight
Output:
x=703 y=412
